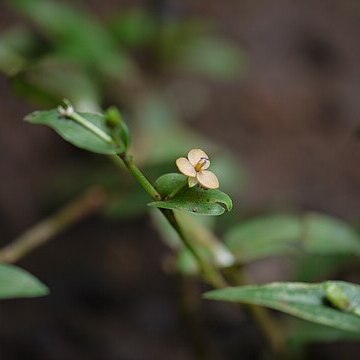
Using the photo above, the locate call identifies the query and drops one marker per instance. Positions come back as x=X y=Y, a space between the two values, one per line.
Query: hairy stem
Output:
x=91 y=201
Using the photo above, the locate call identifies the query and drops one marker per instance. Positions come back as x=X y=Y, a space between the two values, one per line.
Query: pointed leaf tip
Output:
x=18 y=283
x=338 y=307
x=76 y=134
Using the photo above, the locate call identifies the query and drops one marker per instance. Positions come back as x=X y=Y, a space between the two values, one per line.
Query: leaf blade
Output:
x=312 y=233
x=194 y=200
x=306 y=301
x=16 y=282
x=74 y=133
x=263 y=236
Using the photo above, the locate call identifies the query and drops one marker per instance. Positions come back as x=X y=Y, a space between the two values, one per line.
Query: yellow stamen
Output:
x=201 y=163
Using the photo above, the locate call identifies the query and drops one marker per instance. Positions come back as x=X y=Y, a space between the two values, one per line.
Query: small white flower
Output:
x=195 y=168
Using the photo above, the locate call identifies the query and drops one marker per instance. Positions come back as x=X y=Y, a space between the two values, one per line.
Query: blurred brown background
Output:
x=291 y=120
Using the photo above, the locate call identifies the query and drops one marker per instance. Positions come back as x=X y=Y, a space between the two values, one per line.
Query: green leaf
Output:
x=283 y=234
x=306 y=301
x=195 y=200
x=18 y=283
x=264 y=236
x=74 y=133
x=165 y=184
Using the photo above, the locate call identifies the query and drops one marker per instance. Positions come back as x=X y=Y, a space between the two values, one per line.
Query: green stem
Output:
x=209 y=272
x=138 y=175
x=91 y=127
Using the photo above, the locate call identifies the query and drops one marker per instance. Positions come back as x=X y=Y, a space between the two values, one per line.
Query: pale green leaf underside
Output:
x=18 y=283
x=195 y=200
x=75 y=133
x=306 y=301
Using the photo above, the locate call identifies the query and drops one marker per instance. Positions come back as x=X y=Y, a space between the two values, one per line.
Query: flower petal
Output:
x=206 y=165
x=195 y=155
x=192 y=181
x=185 y=167
x=207 y=179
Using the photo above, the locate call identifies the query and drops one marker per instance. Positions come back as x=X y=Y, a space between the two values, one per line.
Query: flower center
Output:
x=201 y=163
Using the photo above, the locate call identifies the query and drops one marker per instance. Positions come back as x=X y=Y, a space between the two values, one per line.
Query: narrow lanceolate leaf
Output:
x=312 y=233
x=195 y=200
x=332 y=303
x=18 y=283
x=75 y=133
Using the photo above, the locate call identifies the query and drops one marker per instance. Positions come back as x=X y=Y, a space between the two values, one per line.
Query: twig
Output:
x=91 y=201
